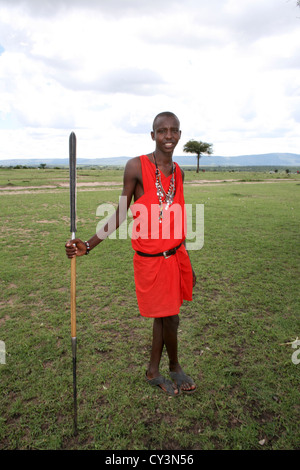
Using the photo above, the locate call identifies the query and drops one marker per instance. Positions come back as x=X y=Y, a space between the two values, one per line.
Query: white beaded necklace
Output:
x=164 y=197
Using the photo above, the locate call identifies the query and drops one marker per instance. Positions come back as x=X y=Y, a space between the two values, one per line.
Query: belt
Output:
x=165 y=254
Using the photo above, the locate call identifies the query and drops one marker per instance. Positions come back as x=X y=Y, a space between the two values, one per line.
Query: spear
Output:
x=72 y=170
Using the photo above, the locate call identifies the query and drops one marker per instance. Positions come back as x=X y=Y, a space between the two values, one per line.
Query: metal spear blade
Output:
x=72 y=170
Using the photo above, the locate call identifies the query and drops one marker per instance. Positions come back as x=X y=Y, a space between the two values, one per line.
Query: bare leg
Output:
x=165 y=333
x=170 y=329
x=157 y=348
x=156 y=352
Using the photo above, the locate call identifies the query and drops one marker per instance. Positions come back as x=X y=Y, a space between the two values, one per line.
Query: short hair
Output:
x=167 y=114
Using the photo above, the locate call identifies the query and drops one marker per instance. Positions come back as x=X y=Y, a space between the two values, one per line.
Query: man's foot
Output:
x=183 y=381
x=165 y=385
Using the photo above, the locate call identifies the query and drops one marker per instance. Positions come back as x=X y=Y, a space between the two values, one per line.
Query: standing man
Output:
x=162 y=269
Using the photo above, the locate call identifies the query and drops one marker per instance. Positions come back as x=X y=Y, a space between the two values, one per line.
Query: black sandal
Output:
x=180 y=378
x=168 y=385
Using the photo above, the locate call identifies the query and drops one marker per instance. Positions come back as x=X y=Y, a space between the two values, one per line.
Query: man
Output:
x=162 y=268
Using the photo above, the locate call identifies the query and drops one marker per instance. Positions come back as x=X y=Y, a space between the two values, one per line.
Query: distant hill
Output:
x=267 y=159
x=116 y=161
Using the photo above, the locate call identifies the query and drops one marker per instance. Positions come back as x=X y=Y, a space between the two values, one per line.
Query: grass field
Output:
x=234 y=339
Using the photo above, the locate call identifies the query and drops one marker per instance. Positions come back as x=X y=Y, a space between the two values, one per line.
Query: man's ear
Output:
x=152 y=135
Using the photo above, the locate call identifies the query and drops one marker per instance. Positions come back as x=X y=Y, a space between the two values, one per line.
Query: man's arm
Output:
x=131 y=178
x=194 y=275
x=182 y=174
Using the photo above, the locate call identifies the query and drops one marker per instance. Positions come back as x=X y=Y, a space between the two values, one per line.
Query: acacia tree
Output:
x=198 y=147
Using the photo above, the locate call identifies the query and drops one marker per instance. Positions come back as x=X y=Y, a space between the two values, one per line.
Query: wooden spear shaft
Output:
x=72 y=169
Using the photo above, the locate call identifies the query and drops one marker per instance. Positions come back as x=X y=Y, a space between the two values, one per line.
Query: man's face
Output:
x=166 y=133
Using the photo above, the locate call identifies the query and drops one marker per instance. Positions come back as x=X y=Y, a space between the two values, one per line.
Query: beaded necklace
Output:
x=164 y=197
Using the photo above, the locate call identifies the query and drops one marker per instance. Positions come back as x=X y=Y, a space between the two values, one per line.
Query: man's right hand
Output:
x=75 y=247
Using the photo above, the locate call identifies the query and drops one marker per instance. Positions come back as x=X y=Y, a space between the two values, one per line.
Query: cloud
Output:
x=132 y=80
x=189 y=38
x=106 y=68
x=251 y=20
x=112 y=8
x=124 y=80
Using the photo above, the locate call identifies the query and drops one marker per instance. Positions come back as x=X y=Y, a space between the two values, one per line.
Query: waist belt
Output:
x=165 y=254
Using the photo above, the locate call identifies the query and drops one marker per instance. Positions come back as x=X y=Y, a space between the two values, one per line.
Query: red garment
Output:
x=161 y=284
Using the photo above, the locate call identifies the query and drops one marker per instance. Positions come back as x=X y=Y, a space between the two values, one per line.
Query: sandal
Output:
x=167 y=384
x=180 y=378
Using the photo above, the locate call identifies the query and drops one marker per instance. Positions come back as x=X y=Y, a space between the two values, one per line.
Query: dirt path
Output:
x=110 y=185
x=60 y=185
x=91 y=186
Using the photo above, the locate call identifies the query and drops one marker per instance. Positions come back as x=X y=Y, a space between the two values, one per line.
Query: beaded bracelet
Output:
x=87 y=247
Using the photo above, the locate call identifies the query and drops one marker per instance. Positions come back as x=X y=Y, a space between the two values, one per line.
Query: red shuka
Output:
x=161 y=284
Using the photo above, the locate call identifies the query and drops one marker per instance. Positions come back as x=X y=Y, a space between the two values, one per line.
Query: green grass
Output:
x=55 y=177
x=232 y=337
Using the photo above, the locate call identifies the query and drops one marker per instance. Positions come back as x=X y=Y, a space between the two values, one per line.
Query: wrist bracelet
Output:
x=87 y=247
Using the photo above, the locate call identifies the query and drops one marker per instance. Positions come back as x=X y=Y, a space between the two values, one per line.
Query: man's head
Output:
x=164 y=115
x=166 y=131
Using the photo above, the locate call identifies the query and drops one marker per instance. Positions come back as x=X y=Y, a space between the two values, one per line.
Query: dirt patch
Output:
x=217 y=182
x=207 y=181
x=55 y=191
x=4 y=319
x=96 y=183
x=61 y=185
x=46 y=221
x=111 y=185
x=13 y=188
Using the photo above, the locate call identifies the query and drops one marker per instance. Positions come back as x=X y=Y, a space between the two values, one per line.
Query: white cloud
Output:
x=228 y=69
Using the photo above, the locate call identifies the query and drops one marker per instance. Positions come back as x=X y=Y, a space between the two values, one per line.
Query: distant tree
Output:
x=198 y=147
x=43 y=165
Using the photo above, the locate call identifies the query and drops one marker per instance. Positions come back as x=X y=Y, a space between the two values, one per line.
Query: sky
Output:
x=229 y=69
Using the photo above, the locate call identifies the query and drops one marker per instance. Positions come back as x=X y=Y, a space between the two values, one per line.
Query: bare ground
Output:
x=106 y=186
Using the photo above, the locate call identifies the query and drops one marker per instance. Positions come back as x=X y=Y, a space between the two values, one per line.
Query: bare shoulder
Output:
x=182 y=173
x=133 y=165
x=133 y=169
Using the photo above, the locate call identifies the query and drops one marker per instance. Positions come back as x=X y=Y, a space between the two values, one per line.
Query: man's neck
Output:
x=163 y=159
